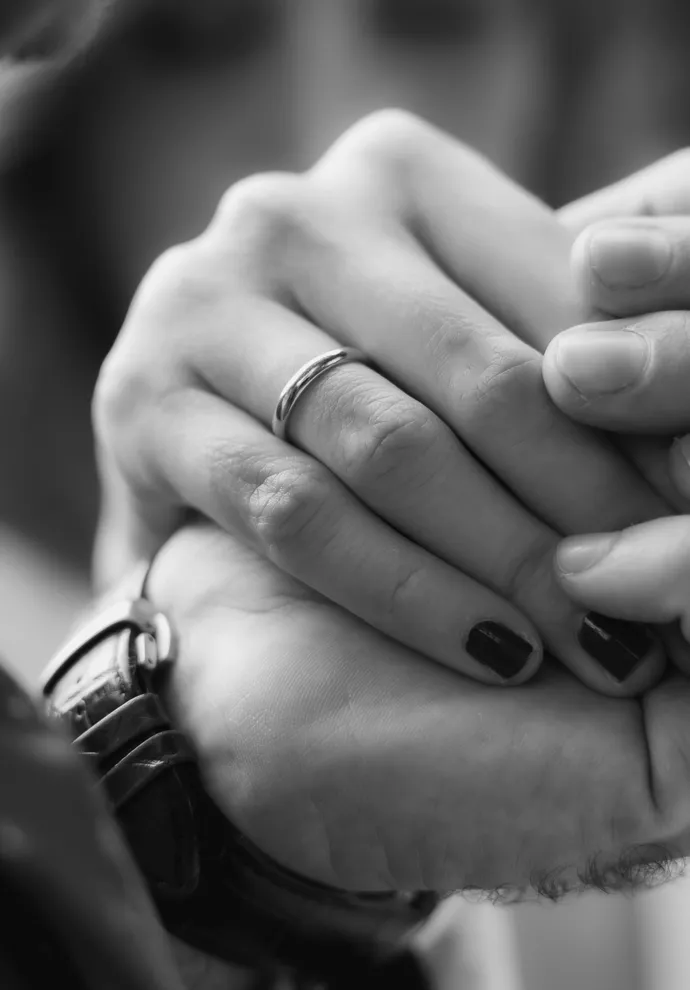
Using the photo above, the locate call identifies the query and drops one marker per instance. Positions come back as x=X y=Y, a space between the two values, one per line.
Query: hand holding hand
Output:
x=350 y=759
x=631 y=374
x=355 y=761
x=425 y=494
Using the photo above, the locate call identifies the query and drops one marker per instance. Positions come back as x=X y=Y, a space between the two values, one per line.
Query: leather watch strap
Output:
x=213 y=888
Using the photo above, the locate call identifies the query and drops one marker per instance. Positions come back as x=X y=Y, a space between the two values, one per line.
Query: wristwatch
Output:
x=213 y=888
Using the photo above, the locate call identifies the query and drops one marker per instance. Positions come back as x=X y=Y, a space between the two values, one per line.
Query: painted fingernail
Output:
x=629 y=257
x=579 y=553
x=598 y=362
x=617 y=646
x=499 y=648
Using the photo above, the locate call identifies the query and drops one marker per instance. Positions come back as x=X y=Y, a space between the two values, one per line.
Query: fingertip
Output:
x=646 y=674
x=598 y=300
x=625 y=655
x=619 y=654
x=620 y=264
x=531 y=667
x=617 y=658
x=503 y=655
x=580 y=263
x=559 y=386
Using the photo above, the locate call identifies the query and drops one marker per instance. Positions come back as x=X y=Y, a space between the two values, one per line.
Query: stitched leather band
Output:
x=213 y=888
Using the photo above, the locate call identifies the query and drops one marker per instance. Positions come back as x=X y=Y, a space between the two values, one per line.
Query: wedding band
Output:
x=305 y=377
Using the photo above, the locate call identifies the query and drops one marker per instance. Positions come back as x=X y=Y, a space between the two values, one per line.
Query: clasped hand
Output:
x=413 y=517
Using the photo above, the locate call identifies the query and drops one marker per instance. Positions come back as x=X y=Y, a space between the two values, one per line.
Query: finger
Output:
x=531 y=574
x=517 y=567
x=296 y=514
x=459 y=361
x=492 y=237
x=643 y=571
x=396 y=456
x=627 y=375
x=365 y=741
x=406 y=465
x=662 y=189
x=635 y=266
x=450 y=352
x=133 y=524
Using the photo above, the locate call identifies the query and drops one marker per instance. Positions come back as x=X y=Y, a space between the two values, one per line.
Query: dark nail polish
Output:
x=617 y=645
x=499 y=648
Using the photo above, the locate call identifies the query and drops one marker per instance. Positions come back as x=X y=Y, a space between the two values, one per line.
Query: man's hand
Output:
x=631 y=375
x=355 y=761
x=631 y=258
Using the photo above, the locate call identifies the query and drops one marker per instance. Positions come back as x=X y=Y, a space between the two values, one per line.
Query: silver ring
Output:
x=305 y=377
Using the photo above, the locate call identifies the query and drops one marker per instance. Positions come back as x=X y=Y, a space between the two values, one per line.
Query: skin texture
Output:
x=356 y=762
x=426 y=494
x=383 y=770
x=631 y=266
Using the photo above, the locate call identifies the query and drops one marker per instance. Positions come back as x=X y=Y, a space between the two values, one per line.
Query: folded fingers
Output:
x=291 y=509
x=401 y=461
x=293 y=266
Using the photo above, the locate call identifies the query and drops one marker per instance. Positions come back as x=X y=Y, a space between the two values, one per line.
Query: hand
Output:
x=354 y=761
x=632 y=375
x=407 y=245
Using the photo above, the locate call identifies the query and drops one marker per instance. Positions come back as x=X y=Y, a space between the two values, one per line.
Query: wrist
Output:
x=213 y=887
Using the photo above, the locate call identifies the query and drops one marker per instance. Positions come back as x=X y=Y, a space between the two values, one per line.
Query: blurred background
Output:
x=122 y=122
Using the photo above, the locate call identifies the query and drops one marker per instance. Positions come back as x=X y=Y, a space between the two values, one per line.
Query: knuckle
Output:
x=267 y=202
x=185 y=277
x=390 y=444
x=174 y=262
x=171 y=269
x=511 y=382
x=281 y=501
x=146 y=361
x=122 y=388
x=392 y=138
x=259 y=225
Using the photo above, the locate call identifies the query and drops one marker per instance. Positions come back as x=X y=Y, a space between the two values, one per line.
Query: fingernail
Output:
x=499 y=648
x=617 y=646
x=579 y=553
x=597 y=362
x=629 y=257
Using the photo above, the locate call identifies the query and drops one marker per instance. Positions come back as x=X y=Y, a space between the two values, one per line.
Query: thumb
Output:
x=661 y=189
x=641 y=573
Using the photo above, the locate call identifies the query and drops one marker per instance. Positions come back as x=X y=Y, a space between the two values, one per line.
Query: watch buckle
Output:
x=154 y=641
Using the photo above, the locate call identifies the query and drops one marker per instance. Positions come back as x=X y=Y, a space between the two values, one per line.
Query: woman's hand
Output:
x=633 y=375
x=355 y=761
x=426 y=493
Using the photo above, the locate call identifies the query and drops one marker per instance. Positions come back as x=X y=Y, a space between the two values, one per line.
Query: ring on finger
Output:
x=304 y=378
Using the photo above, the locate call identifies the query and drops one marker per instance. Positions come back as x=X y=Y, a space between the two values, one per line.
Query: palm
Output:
x=359 y=763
